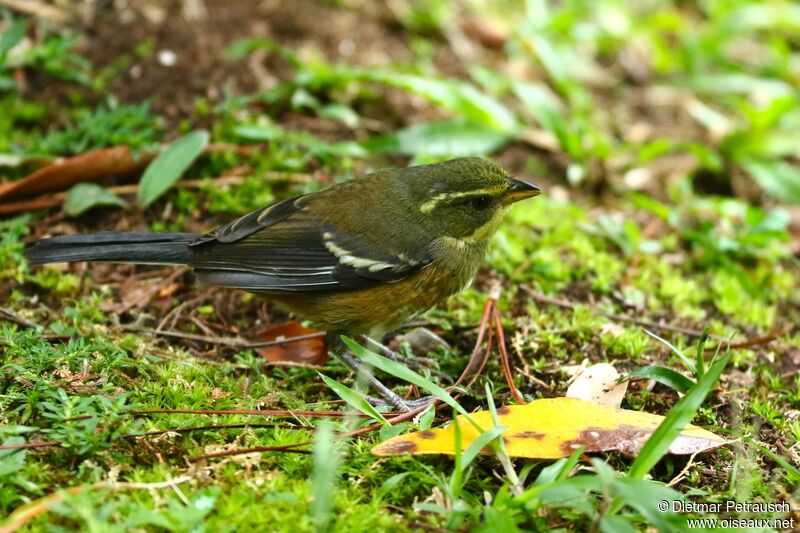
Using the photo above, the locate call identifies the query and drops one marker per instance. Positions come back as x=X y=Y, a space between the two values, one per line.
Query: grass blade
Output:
x=353 y=398
x=680 y=415
x=323 y=480
x=682 y=356
x=483 y=440
x=665 y=376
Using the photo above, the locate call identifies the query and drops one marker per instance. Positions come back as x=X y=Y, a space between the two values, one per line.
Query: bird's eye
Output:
x=480 y=203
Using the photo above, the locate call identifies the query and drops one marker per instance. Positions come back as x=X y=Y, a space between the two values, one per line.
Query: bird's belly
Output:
x=383 y=307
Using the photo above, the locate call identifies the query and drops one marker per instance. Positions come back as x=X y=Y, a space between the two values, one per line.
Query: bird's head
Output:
x=464 y=198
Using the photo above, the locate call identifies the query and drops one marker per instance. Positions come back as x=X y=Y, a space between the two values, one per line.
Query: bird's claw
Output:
x=410 y=405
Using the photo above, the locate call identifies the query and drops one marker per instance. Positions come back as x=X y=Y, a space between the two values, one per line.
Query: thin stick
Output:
x=684 y=470
x=56 y=199
x=248 y=412
x=233 y=342
x=156 y=432
x=37 y=9
x=487 y=352
x=29 y=445
x=541 y=298
x=501 y=345
x=757 y=341
x=289 y=448
x=288 y=340
x=18 y=319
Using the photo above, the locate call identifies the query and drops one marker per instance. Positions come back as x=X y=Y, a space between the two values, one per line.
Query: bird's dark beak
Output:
x=519 y=190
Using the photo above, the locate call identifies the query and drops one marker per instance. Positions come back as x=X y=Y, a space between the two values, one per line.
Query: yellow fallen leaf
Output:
x=554 y=428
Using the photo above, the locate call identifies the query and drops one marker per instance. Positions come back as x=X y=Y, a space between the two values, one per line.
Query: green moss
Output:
x=732 y=299
x=625 y=343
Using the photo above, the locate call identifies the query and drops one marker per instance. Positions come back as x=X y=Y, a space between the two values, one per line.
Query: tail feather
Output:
x=152 y=248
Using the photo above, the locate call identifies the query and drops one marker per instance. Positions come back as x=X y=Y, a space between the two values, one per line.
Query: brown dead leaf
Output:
x=169 y=290
x=84 y=168
x=6 y=185
x=132 y=290
x=309 y=351
x=487 y=34
x=21 y=206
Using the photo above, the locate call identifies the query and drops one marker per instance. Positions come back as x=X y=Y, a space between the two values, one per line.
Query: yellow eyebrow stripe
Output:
x=431 y=204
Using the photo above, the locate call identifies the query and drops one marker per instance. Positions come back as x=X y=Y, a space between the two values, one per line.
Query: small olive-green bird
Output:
x=357 y=257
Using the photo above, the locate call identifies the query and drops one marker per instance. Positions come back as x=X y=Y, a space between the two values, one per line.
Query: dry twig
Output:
x=37 y=9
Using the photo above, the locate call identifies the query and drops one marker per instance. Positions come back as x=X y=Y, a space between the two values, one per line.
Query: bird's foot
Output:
x=388 y=396
x=410 y=404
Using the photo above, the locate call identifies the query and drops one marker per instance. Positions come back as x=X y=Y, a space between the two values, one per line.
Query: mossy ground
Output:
x=676 y=253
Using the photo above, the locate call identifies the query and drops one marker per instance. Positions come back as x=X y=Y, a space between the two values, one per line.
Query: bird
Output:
x=358 y=258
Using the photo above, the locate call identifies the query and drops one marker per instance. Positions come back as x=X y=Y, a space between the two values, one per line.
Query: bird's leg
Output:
x=387 y=396
x=412 y=404
x=414 y=362
x=339 y=350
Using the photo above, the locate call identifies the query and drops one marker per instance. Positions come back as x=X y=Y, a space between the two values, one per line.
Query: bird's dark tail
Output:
x=149 y=248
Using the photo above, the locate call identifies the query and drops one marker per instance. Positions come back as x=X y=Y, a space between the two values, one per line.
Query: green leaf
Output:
x=258 y=133
x=557 y=472
x=389 y=485
x=458 y=97
x=615 y=524
x=792 y=473
x=340 y=113
x=353 y=398
x=12 y=460
x=545 y=107
x=682 y=356
x=779 y=179
x=170 y=164
x=493 y=520
x=665 y=376
x=680 y=415
x=244 y=47
x=12 y=36
x=452 y=138
x=483 y=440
x=700 y=355
x=85 y=196
x=645 y=497
x=717 y=84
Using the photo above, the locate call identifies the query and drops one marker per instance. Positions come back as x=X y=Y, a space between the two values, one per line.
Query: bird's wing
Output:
x=284 y=249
